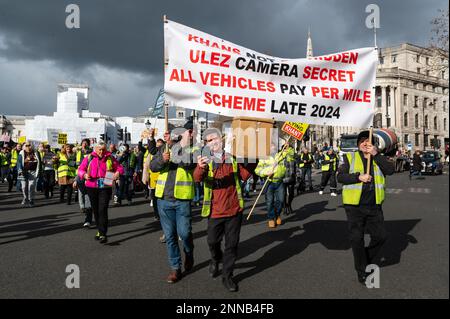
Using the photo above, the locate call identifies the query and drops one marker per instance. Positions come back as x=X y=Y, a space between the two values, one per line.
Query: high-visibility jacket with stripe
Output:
x=207 y=188
x=14 y=158
x=184 y=183
x=3 y=160
x=152 y=176
x=310 y=158
x=351 y=194
x=272 y=163
x=67 y=166
x=326 y=167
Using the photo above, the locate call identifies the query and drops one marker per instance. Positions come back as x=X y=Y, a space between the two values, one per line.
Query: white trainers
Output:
x=87 y=224
x=151 y=203
x=321 y=193
x=333 y=194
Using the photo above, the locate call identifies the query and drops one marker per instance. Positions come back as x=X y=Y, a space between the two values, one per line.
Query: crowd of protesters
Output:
x=175 y=175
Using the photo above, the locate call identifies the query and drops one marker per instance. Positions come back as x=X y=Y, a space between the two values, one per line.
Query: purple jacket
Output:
x=98 y=168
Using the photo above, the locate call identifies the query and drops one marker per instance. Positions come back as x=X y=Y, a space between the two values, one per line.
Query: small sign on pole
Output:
x=22 y=139
x=62 y=138
x=294 y=129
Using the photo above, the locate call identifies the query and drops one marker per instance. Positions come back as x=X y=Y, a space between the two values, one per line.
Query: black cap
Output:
x=363 y=136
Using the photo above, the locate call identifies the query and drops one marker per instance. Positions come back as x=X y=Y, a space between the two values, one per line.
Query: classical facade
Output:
x=412 y=95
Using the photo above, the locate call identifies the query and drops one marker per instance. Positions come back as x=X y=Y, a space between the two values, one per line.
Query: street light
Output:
x=148 y=124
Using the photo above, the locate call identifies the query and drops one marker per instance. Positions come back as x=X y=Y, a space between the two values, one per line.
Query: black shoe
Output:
x=213 y=269
x=311 y=189
x=229 y=284
x=103 y=239
x=362 y=276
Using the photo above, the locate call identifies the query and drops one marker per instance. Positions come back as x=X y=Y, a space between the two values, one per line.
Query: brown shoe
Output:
x=188 y=262
x=271 y=223
x=278 y=221
x=174 y=276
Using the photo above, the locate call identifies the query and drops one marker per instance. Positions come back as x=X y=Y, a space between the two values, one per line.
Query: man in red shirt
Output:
x=223 y=203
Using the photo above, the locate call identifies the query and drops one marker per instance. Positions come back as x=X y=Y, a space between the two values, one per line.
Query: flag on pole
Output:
x=159 y=104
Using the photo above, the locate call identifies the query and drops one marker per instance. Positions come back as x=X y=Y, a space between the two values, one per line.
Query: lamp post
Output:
x=148 y=125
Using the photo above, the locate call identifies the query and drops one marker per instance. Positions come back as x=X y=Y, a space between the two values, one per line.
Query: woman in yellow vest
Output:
x=362 y=196
x=67 y=170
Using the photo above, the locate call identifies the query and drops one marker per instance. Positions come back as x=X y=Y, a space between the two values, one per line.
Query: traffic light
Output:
x=120 y=134
x=102 y=137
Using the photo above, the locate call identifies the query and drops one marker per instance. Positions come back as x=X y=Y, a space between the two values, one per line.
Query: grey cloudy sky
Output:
x=118 y=50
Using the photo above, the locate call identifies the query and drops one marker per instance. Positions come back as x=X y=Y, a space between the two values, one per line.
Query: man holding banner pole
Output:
x=363 y=176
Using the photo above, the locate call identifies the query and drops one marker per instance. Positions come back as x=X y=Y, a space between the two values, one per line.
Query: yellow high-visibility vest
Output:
x=207 y=187
x=351 y=194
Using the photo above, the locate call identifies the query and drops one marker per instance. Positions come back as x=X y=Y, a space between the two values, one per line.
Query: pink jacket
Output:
x=97 y=168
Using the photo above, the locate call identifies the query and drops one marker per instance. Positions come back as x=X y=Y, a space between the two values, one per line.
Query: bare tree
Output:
x=439 y=42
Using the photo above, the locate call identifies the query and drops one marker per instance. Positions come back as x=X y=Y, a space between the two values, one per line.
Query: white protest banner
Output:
x=52 y=137
x=5 y=138
x=209 y=74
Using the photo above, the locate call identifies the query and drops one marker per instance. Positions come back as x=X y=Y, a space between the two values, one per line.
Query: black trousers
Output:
x=154 y=200
x=49 y=182
x=231 y=228
x=12 y=178
x=328 y=176
x=365 y=219
x=99 y=198
x=289 y=195
x=62 y=191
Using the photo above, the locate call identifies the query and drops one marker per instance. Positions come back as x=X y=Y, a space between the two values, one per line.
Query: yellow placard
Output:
x=62 y=138
x=295 y=129
x=22 y=139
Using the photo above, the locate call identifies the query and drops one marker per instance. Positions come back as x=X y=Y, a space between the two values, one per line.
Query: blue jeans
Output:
x=175 y=218
x=198 y=191
x=274 y=199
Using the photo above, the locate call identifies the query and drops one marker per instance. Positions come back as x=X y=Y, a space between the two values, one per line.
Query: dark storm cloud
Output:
x=128 y=35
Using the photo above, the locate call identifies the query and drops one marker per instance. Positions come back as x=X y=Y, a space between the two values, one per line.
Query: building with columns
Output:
x=412 y=95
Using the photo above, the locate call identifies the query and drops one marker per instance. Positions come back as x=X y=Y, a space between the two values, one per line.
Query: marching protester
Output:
x=329 y=168
x=175 y=191
x=363 y=196
x=28 y=168
x=83 y=198
x=416 y=168
x=4 y=163
x=127 y=160
x=289 y=178
x=48 y=174
x=306 y=163
x=149 y=178
x=274 y=169
x=99 y=170
x=223 y=204
x=66 y=162
x=12 y=176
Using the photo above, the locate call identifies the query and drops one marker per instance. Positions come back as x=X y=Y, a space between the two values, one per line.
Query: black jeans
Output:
x=328 y=176
x=125 y=191
x=155 y=202
x=231 y=228
x=371 y=220
x=62 y=191
x=306 y=171
x=49 y=182
x=12 y=178
x=99 y=198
